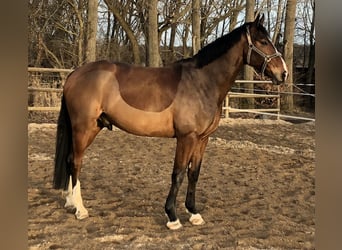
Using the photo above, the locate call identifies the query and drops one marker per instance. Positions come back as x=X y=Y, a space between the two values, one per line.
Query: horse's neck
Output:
x=223 y=71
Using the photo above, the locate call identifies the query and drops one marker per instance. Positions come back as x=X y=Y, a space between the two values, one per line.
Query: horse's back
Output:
x=145 y=88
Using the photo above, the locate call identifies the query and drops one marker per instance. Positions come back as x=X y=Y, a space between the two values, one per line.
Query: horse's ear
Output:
x=260 y=20
x=257 y=16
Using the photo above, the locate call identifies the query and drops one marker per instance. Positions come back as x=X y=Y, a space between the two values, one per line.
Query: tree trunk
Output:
x=196 y=26
x=125 y=26
x=311 y=66
x=276 y=33
x=186 y=51
x=288 y=50
x=172 y=41
x=248 y=70
x=310 y=103
x=108 y=35
x=269 y=6
x=233 y=20
x=90 y=54
x=153 y=42
x=80 y=36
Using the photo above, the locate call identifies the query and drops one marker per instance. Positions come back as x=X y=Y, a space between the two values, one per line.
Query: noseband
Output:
x=251 y=47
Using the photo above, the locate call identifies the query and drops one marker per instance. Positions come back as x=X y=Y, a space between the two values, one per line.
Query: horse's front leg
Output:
x=193 y=174
x=184 y=151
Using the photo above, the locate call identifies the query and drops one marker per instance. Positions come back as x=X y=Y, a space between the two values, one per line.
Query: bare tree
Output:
x=152 y=38
x=248 y=71
x=78 y=8
x=57 y=32
x=288 y=49
x=60 y=34
x=311 y=63
x=196 y=26
x=114 y=7
x=235 y=11
x=90 y=54
x=279 y=18
x=217 y=15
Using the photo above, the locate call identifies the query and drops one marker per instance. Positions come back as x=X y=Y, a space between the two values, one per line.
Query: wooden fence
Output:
x=45 y=88
x=49 y=83
x=231 y=95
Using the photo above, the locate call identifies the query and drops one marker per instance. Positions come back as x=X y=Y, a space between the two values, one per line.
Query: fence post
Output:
x=278 y=102
x=226 y=115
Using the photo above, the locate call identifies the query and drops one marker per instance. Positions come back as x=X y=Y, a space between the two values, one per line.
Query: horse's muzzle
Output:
x=280 y=78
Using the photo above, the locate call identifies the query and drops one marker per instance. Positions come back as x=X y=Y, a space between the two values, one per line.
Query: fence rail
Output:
x=48 y=70
x=30 y=108
x=32 y=89
x=228 y=109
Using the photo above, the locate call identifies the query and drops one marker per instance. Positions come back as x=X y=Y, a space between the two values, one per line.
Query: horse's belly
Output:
x=139 y=122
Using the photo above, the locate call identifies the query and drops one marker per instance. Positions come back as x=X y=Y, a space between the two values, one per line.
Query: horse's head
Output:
x=261 y=53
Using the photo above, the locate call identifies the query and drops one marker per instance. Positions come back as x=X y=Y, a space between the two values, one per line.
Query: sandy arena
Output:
x=256 y=191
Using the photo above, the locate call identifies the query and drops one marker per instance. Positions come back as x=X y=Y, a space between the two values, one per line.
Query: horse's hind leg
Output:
x=82 y=138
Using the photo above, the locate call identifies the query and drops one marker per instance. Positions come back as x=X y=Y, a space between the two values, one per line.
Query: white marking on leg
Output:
x=69 y=197
x=174 y=225
x=196 y=219
x=81 y=211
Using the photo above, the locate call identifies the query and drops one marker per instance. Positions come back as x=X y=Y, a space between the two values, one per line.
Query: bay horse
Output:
x=183 y=101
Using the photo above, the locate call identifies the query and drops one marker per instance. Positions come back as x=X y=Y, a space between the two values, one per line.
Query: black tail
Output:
x=63 y=149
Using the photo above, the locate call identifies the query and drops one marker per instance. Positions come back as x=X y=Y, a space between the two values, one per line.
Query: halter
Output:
x=267 y=58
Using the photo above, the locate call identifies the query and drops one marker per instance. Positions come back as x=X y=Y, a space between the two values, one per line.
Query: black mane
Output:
x=217 y=48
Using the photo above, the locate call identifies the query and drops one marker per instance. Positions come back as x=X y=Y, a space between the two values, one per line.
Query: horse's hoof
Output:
x=174 y=225
x=69 y=203
x=196 y=219
x=80 y=215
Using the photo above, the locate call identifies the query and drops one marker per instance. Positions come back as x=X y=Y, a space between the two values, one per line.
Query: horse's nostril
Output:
x=285 y=75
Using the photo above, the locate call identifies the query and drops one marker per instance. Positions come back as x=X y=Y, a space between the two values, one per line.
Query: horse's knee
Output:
x=178 y=176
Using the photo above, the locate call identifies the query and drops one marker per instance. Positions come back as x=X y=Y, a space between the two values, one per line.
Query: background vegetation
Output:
x=69 y=33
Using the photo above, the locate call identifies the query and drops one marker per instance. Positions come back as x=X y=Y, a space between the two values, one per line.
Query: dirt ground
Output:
x=256 y=191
